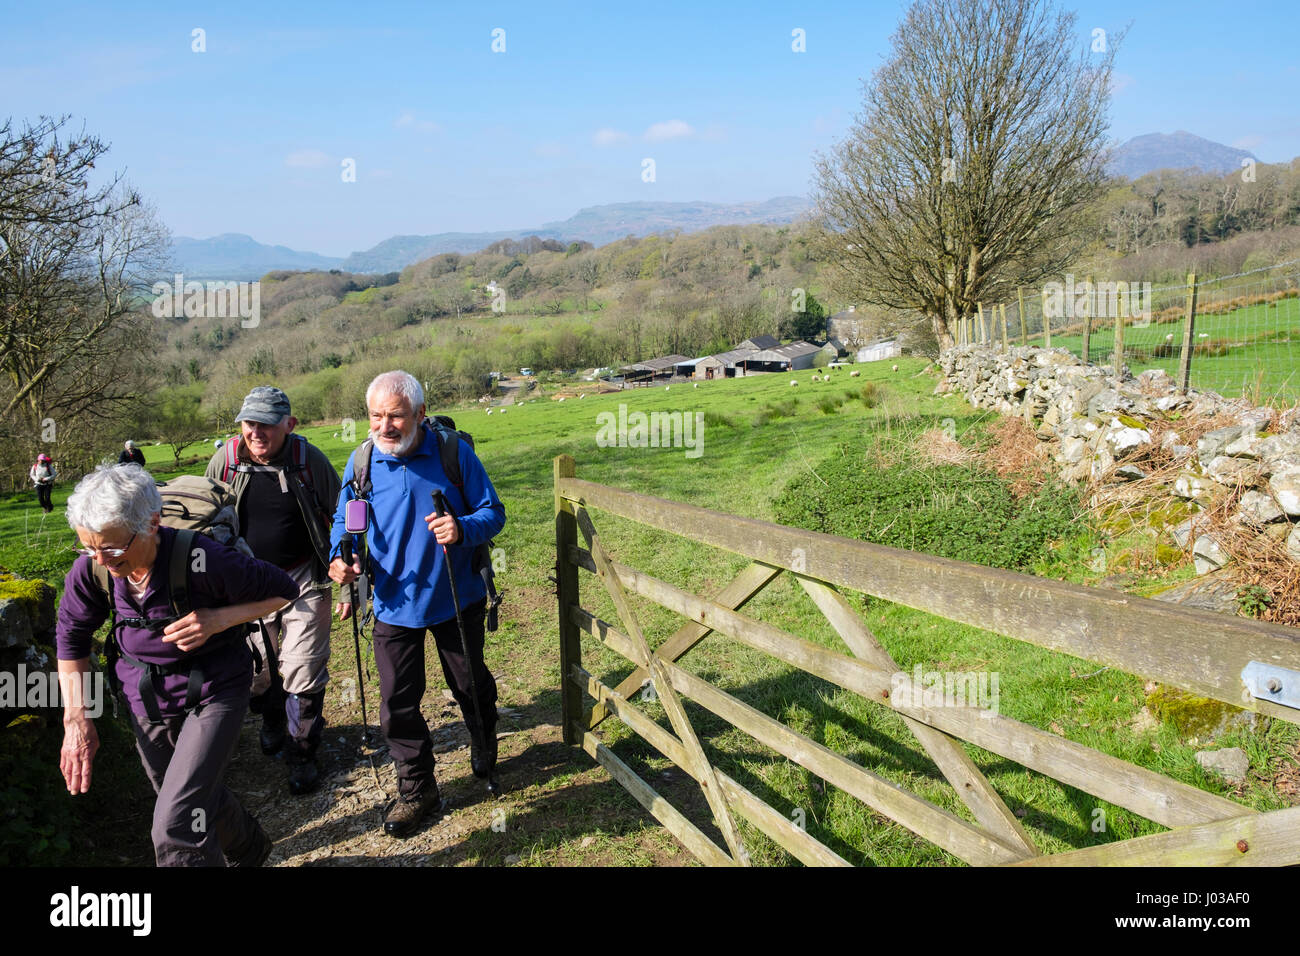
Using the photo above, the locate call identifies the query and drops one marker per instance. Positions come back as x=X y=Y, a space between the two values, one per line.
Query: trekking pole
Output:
x=345 y=550
x=440 y=509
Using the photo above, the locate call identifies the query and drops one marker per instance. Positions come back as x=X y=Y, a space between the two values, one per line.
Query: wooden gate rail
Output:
x=1200 y=651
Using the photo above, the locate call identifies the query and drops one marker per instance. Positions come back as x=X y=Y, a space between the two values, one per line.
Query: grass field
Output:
x=1253 y=350
x=563 y=808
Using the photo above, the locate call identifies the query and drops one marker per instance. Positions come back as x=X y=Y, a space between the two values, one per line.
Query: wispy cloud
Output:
x=1248 y=142
x=409 y=120
x=307 y=159
x=669 y=129
x=609 y=137
x=1119 y=82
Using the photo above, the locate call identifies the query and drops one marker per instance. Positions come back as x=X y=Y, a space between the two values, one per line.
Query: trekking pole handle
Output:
x=439 y=503
x=345 y=549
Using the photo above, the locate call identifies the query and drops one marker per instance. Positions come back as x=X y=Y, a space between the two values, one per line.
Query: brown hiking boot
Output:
x=405 y=816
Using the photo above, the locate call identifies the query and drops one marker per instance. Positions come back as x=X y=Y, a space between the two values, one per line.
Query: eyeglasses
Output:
x=106 y=552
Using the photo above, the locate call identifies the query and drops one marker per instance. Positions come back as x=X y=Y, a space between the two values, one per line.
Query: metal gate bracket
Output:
x=1272 y=683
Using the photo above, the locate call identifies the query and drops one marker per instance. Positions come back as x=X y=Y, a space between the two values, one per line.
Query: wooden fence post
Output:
x=1118 y=357
x=566 y=590
x=1024 y=323
x=1189 y=327
x=1087 y=319
x=1003 y=309
x=981 y=330
x=1047 y=323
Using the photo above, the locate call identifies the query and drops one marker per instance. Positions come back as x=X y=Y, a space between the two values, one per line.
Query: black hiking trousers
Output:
x=399 y=656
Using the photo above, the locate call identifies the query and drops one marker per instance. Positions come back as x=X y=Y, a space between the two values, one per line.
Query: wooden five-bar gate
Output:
x=1246 y=663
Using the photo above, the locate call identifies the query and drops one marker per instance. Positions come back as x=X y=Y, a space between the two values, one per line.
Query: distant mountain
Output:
x=236 y=256
x=595 y=224
x=1180 y=150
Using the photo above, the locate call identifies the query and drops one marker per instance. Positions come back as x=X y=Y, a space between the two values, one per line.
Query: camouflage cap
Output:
x=265 y=404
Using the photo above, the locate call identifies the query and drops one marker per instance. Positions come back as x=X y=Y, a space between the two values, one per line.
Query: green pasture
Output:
x=759 y=433
x=1253 y=350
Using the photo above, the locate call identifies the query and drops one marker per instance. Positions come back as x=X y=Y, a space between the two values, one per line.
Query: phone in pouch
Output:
x=356 y=516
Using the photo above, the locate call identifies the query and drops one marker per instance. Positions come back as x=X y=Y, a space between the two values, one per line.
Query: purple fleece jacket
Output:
x=227 y=577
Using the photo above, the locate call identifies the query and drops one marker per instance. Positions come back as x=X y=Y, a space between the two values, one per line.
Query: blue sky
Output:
x=249 y=136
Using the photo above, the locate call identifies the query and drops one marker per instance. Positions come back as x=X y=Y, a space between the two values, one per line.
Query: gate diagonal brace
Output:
x=953 y=762
x=734 y=596
x=672 y=705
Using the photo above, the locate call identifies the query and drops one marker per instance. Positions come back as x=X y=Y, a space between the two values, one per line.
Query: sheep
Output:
x=697 y=385
x=895 y=368
x=489 y=411
x=854 y=374
x=793 y=382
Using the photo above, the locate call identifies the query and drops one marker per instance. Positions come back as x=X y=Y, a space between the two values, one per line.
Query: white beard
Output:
x=401 y=448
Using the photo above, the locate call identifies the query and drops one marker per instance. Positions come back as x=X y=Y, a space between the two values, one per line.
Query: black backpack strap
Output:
x=178 y=571
x=449 y=451
x=111 y=649
x=361 y=486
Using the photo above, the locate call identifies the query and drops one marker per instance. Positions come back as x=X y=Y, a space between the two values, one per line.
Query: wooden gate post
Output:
x=566 y=591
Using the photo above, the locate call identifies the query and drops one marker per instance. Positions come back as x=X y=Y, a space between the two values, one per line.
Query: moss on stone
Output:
x=1168 y=554
x=1131 y=422
x=1190 y=715
x=30 y=593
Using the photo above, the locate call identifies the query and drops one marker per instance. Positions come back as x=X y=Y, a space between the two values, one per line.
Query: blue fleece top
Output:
x=410 y=583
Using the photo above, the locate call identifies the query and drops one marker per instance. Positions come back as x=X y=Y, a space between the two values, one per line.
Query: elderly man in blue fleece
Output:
x=186 y=678
x=411 y=591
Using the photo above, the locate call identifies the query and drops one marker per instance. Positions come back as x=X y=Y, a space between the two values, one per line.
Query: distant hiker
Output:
x=286 y=491
x=403 y=464
x=130 y=455
x=178 y=601
x=42 y=475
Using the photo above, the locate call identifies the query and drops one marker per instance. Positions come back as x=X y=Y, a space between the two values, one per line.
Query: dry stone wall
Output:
x=1103 y=425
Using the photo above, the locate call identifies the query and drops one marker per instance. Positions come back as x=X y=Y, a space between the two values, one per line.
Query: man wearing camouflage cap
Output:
x=286 y=491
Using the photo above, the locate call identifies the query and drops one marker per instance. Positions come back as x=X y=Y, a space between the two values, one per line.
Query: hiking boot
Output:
x=483 y=760
x=273 y=733
x=258 y=850
x=304 y=775
x=405 y=815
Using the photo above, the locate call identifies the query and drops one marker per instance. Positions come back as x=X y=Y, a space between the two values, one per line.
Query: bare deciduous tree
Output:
x=969 y=170
x=75 y=263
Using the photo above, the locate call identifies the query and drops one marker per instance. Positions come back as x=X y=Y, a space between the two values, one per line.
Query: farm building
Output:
x=758 y=343
x=783 y=358
x=883 y=349
x=835 y=348
x=653 y=370
x=723 y=364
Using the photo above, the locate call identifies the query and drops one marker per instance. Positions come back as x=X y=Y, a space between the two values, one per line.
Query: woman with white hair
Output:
x=185 y=677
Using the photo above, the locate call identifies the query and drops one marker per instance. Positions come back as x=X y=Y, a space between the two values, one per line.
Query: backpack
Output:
x=192 y=505
x=449 y=439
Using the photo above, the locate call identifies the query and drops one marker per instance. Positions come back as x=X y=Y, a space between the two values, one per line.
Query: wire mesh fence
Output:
x=1235 y=335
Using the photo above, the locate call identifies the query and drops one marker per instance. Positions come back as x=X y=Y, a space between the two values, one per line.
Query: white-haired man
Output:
x=401 y=466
